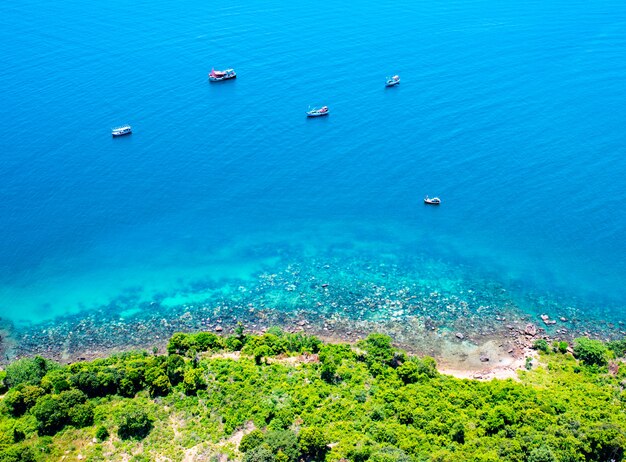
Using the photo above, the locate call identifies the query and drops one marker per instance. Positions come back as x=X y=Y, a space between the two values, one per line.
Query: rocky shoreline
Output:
x=448 y=319
x=79 y=338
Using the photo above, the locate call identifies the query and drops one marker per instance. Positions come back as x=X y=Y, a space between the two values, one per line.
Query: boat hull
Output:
x=316 y=114
x=121 y=131
x=427 y=202
x=221 y=79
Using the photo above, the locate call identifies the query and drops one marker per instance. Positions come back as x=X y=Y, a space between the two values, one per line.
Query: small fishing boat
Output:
x=393 y=81
x=318 y=112
x=122 y=130
x=218 y=76
x=432 y=200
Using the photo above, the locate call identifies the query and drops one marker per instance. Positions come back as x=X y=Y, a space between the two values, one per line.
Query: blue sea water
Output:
x=512 y=112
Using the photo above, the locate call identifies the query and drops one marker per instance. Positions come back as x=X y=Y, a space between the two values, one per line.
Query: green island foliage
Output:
x=281 y=397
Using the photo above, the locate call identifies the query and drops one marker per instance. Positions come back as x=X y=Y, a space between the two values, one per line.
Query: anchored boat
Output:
x=393 y=81
x=218 y=76
x=432 y=200
x=122 y=130
x=318 y=112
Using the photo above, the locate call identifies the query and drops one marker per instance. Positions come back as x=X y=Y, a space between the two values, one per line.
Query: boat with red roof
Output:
x=218 y=76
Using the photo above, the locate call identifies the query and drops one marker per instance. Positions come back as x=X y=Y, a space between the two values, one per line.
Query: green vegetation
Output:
x=246 y=398
x=591 y=352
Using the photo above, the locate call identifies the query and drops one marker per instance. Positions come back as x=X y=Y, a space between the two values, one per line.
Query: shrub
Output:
x=193 y=381
x=261 y=352
x=457 y=433
x=591 y=352
x=313 y=442
x=541 y=345
x=175 y=367
x=18 y=453
x=81 y=415
x=179 y=343
x=14 y=403
x=378 y=348
x=285 y=441
x=30 y=395
x=562 y=347
x=259 y=454
x=529 y=363
x=72 y=398
x=416 y=369
x=389 y=454
x=618 y=347
x=50 y=414
x=232 y=343
x=134 y=423
x=28 y=371
x=160 y=386
x=331 y=357
x=328 y=372
x=541 y=454
x=205 y=341
x=251 y=440
x=95 y=381
x=102 y=433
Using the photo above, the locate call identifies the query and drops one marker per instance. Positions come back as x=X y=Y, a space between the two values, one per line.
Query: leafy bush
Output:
x=160 y=386
x=81 y=415
x=175 y=369
x=261 y=352
x=178 y=344
x=618 y=347
x=541 y=345
x=591 y=352
x=193 y=381
x=205 y=341
x=313 y=442
x=50 y=414
x=71 y=398
x=259 y=454
x=389 y=454
x=378 y=349
x=134 y=423
x=28 y=371
x=251 y=440
x=560 y=347
x=102 y=433
x=541 y=454
x=56 y=380
x=285 y=441
x=416 y=369
x=202 y=341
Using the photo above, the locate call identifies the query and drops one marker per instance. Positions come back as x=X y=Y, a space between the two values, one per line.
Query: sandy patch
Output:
x=486 y=361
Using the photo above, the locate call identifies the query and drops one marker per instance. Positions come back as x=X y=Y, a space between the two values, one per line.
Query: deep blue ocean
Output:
x=514 y=113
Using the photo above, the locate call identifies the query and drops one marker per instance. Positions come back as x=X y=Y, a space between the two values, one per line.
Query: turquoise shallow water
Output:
x=512 y=113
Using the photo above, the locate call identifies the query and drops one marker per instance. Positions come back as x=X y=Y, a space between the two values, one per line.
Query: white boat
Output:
x=393 y=81
x=122 y=130
x=432 y=200
x=318 y=112
x=218 y=76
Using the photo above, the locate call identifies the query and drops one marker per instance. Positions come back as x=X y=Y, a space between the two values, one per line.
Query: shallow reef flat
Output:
x=428 y=305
